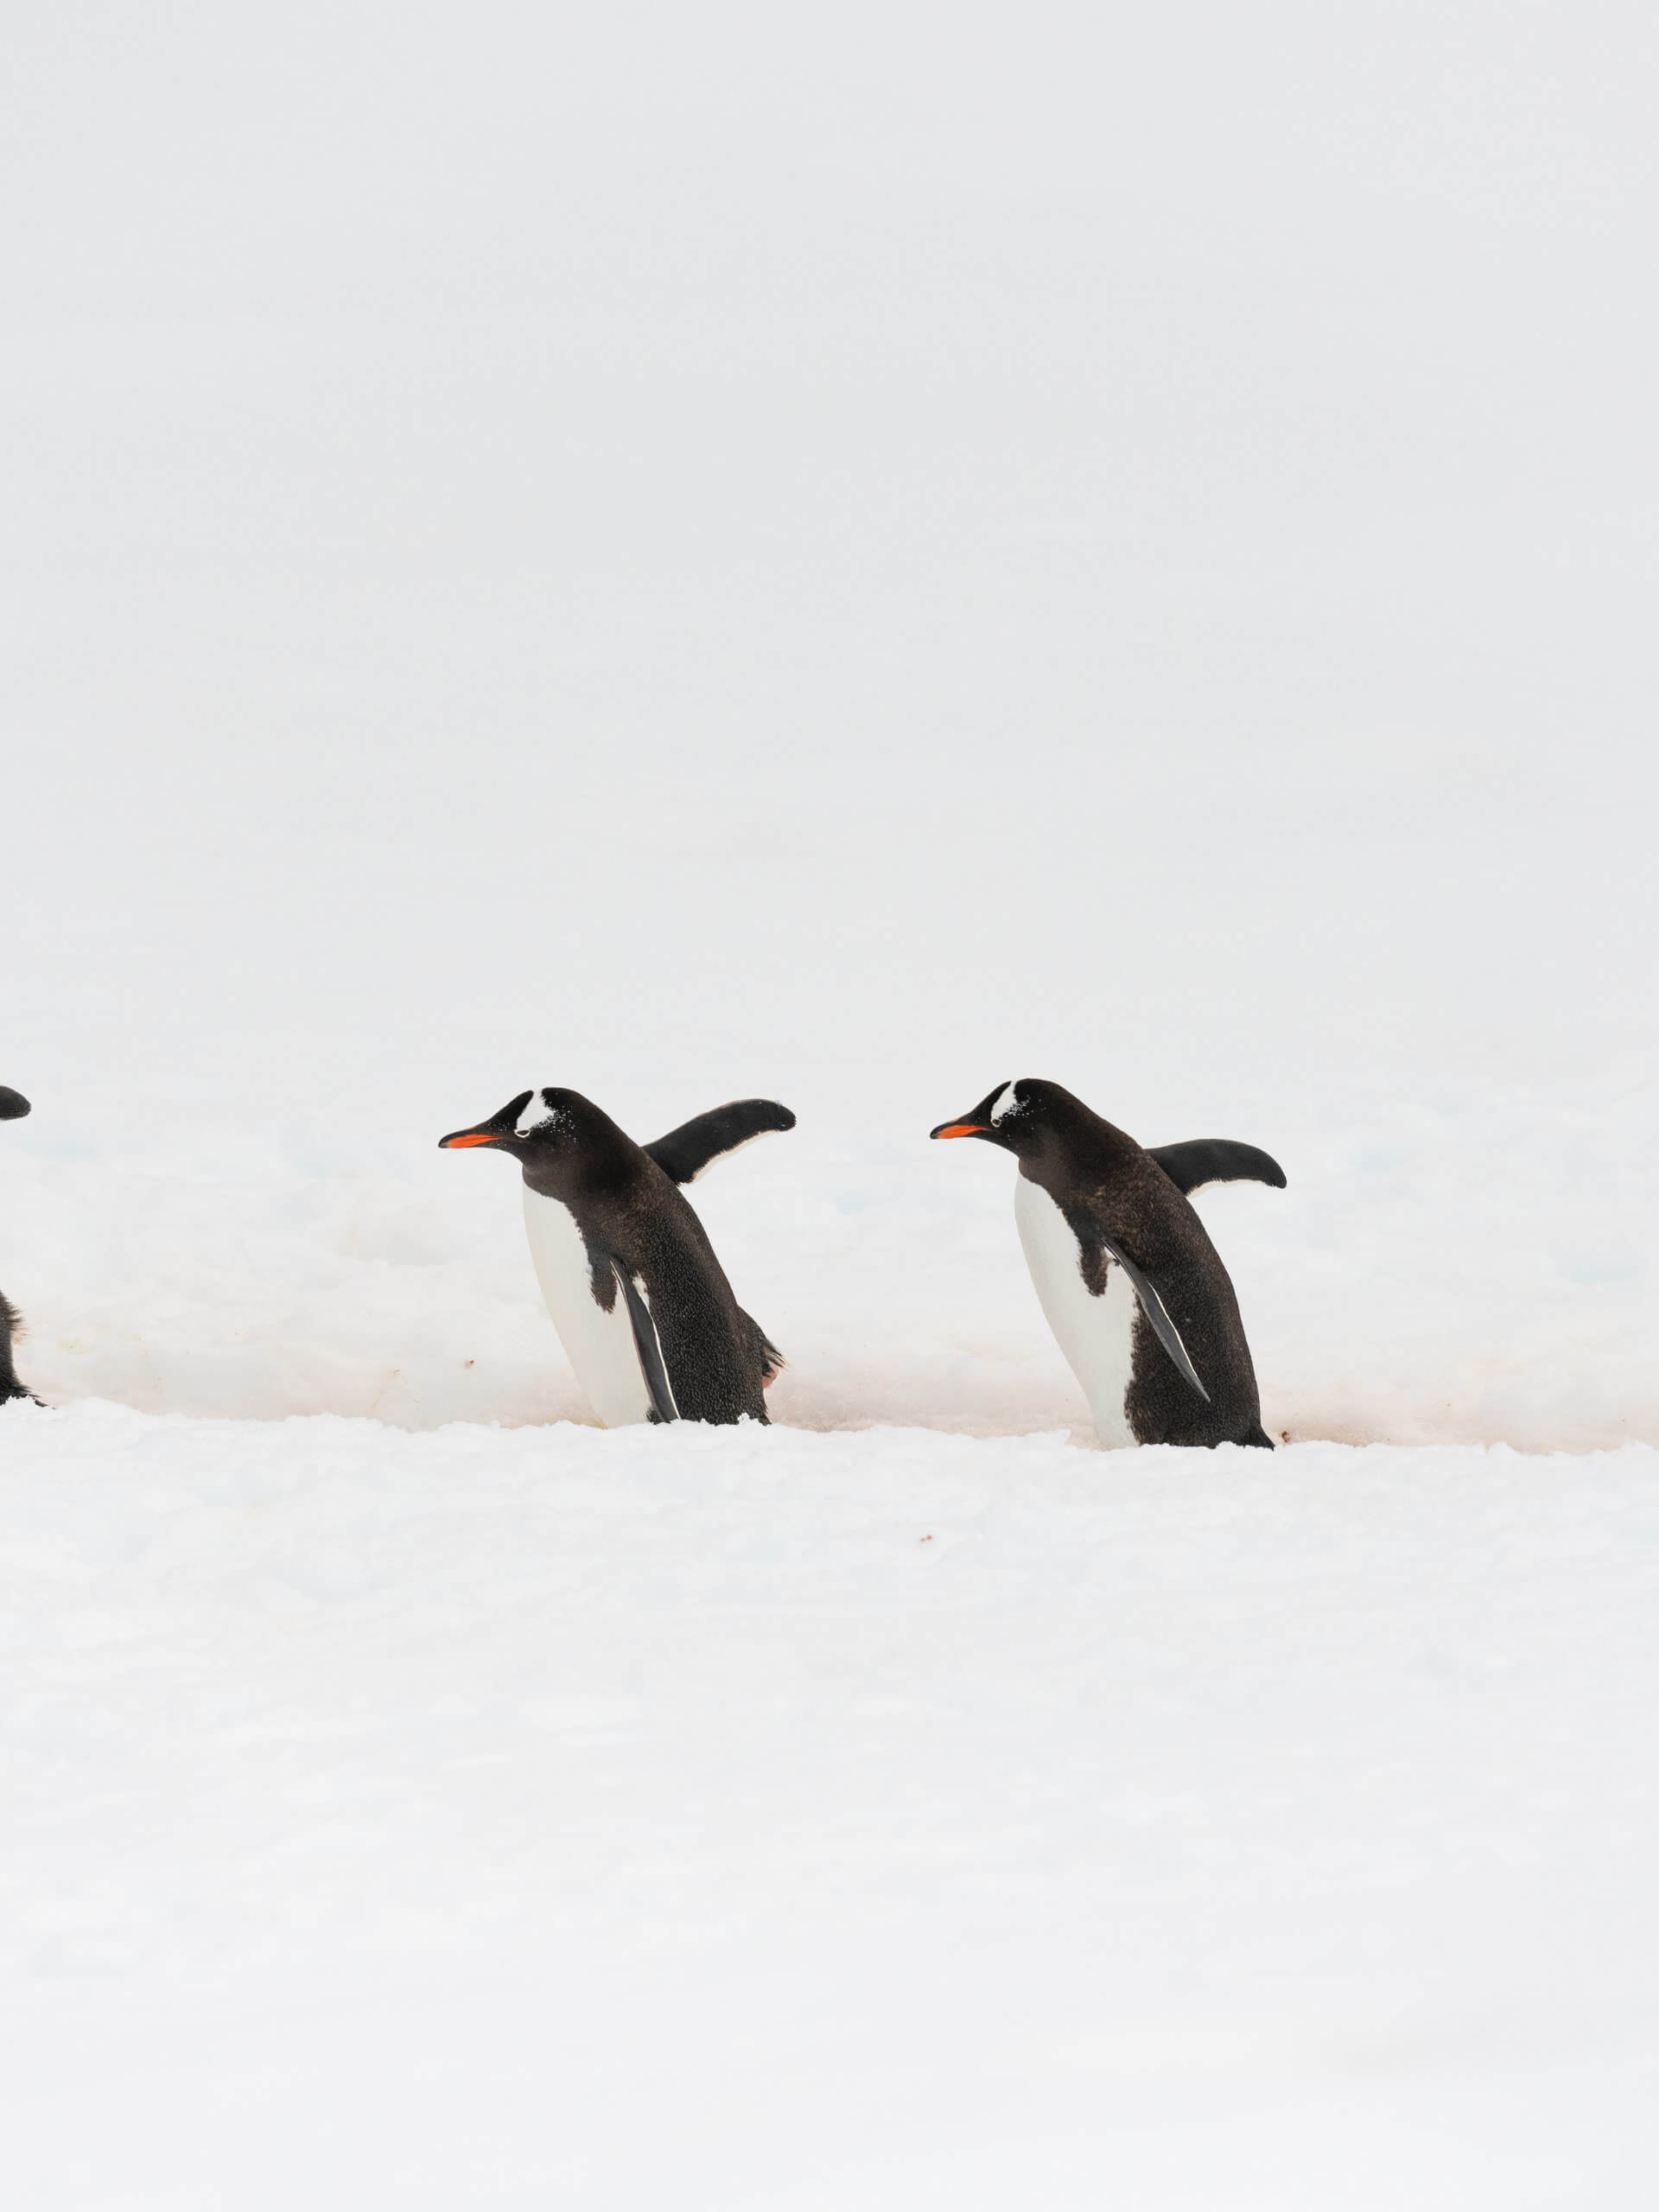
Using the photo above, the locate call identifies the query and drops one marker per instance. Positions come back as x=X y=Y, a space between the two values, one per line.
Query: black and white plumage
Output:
x=1128 y=1280
x=13 y=1107
x=641 y=1304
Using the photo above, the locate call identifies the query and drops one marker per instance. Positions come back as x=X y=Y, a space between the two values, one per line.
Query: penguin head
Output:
x=13 y=1104
x=1021 y=1116
x=537 y=1125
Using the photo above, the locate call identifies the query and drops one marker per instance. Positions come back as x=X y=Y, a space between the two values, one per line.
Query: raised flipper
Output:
x=684 y=1153
x=13 y=1104
x=1089 y=1231
x=1216 y=1159
x=647 y=1342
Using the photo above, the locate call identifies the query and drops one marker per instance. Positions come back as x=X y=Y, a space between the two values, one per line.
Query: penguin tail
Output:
x=1258 y=1435
x=772 y=1362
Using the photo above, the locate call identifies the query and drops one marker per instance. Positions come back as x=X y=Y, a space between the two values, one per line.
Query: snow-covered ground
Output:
x=762 y=1819
x=694 y=552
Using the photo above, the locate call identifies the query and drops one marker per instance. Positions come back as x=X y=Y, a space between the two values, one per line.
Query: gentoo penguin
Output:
x=642 y=1305
x=1131 y=1286
x=13 y=1107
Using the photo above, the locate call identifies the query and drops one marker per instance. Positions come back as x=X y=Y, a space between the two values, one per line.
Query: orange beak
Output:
x=468 y=1137
x=960 y=1129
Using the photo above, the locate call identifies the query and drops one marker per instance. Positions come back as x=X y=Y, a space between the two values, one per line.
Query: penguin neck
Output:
x=1093 y=1150
x=596 y=1173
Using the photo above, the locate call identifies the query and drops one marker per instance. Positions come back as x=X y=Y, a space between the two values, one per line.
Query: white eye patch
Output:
x=537 y=1115
x=1006 y=1102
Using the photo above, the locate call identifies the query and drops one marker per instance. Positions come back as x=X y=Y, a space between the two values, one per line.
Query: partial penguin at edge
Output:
x=13 y=1107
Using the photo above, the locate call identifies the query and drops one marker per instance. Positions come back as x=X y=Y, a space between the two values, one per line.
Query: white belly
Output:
x=1096 y=1334
x=599 y=1345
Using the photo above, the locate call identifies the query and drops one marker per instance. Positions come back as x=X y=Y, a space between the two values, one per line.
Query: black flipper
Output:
x=1216 y=1159
x=652 y=1366
x=13 y=1104
x=1151 y=1298
x=684 y=1153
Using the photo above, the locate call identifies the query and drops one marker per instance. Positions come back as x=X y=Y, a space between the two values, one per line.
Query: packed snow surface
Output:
x=762 y=1820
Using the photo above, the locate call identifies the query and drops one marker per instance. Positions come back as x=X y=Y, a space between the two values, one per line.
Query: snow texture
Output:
x=756 y=1818
x=701 y=553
